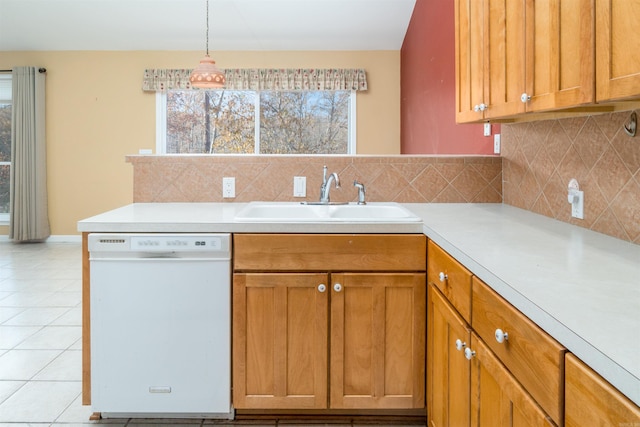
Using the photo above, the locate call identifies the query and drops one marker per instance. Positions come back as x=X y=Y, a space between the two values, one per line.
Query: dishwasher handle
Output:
x=159 y=256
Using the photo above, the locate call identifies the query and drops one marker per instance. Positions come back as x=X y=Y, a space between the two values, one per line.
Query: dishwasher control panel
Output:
x=105 y=242
x=191 y=243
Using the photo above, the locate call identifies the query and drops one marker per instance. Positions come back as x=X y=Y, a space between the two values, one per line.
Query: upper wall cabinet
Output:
x=617 y=47
x=522 y=56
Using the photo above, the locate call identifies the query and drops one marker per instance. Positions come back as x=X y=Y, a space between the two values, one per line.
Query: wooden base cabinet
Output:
x=590 y=400
x=377 y=340
x=448 y=371
x=280 y=341
x=467 y=385
x=475 y=376
x=308 y=339
x=497 y=398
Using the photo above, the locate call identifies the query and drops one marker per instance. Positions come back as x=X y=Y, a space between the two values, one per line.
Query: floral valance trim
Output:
x=263 y=79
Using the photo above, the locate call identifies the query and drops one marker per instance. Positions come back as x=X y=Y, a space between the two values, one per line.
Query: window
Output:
x=256 y=122
x=5 y=145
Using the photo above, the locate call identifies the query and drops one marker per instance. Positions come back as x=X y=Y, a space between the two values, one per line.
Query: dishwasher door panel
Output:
x=160 y=336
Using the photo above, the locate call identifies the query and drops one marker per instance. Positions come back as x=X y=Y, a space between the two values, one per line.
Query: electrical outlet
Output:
x=496 y=143
x=487 y=129
x=577 y=207
x=299 y=186
x=228 y=187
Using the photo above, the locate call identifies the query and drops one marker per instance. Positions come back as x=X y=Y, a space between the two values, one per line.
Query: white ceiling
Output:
x=181 y=24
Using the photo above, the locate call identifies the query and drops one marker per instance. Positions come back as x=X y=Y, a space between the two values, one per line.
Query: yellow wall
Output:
x=97 y=113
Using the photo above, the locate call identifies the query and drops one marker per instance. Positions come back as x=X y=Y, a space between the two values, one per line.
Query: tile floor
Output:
x=40 y=342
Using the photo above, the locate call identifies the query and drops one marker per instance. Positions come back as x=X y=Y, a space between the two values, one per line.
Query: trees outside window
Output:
x=5 y=145
x=267 y=122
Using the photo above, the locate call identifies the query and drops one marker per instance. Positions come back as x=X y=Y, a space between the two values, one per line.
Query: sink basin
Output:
x=298 y=212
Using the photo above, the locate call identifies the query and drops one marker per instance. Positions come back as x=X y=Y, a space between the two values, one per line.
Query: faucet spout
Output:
x=326 y=185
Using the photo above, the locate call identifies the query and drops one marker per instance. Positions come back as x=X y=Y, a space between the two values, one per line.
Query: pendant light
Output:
x=206 y=75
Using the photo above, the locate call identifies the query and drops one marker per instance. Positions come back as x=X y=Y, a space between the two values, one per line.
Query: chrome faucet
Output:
x=326 y=185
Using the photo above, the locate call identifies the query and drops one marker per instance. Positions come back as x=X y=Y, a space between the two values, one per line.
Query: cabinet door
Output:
x=560 y=53
x=504 y=57
x=378 y=340
x=497 y=399
x=448 y=371
x=590 y=400
x=280 y=338
x=469 y=51
x=617 y=47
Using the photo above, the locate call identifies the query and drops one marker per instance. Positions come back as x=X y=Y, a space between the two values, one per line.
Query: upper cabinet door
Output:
x=560 y=54
x=470 y=103
x=504 y=32
x=617 y=46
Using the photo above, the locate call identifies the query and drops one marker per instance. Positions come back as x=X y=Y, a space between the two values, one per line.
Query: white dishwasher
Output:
x=160 y=325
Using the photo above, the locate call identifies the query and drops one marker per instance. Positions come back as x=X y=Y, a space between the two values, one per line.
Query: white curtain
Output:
x=28 y=202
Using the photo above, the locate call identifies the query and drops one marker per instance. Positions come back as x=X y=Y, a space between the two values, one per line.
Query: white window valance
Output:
x=160 y=80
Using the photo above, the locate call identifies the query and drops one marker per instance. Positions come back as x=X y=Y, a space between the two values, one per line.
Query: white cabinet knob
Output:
x=501 y=336
x=460 y=344
x=525 y=98
x=322 y=287
x=480 y=107
x=442 y=276
x=337 y=287
x=468 y=353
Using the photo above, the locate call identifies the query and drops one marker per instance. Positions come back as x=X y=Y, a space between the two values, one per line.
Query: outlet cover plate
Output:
x=228 y=187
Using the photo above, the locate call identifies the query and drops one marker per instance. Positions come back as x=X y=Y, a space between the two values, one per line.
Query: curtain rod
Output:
x=40 y=70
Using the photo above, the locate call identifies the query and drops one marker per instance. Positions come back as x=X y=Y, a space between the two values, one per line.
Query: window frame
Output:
x=5 y=217
x=161 y=125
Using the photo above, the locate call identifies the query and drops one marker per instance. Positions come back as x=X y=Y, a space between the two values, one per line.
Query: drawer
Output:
x=329 y=252
x=456 y=283
x=534 y=358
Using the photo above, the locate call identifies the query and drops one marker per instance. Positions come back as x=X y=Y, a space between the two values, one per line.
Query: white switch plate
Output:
x=487 y=129
x=577 y=207
x=299 y=186
x=496 y=143
x=228 y=187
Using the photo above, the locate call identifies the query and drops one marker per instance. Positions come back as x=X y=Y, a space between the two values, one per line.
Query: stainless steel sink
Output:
x=298 y=212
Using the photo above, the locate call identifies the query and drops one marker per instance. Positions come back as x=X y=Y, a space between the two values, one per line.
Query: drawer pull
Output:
x=468 y=353
x=501 y=336
x=460 y=344
x=337 y=287
x=322 y=287
x=443 y=276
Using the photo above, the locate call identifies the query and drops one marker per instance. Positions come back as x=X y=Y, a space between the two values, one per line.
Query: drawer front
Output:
x=532 y=356
x=456 y=283
x=329 y=252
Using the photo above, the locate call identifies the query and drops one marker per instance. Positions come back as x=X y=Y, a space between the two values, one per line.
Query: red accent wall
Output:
x=427 y=61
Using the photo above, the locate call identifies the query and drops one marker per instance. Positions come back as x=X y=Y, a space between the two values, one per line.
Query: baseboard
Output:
x=58 y=238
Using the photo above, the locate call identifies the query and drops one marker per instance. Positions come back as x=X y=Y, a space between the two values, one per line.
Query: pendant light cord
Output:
x=207 y=27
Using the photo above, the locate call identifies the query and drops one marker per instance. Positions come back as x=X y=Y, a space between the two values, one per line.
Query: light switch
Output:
x=299 y=186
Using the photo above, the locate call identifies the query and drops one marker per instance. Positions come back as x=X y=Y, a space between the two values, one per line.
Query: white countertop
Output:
x=580 y=286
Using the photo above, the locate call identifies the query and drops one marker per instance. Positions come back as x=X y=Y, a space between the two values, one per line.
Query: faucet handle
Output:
x=361 y=192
